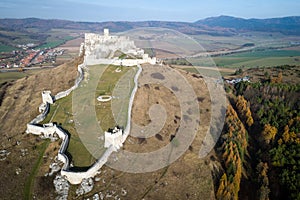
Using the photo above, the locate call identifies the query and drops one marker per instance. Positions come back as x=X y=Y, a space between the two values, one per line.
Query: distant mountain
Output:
x=45 y=25
x=285 y=25
x=223 y=25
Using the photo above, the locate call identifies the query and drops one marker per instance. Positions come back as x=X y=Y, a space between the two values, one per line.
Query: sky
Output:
x=142 y=10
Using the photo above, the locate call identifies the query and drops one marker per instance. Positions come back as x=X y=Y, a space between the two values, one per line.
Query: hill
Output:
x=222 y=25
x=285 y=25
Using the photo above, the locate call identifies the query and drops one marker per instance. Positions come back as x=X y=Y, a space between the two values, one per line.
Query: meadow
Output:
x=267 y=58
x=61 y=113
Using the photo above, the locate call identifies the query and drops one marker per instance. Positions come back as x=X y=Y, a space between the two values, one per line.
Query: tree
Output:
x=234 y=146
x=277 y=79
x=263 y=181
x=222 y=185
x=269 y=133
x=249 y=118
x=243 y=107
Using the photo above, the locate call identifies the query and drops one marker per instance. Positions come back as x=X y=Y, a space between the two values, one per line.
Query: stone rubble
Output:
x=86 y=186
x=123 y=192
x=61 y=187
x=54 y=167
x=18 y=171
x=101 y=196
x=97 y=179
x=3 y=154
x=96 y=197
x=24 y=152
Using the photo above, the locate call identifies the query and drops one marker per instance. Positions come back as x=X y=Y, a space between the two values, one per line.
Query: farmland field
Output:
x=5 y=48
x=259 y=39
x=267 y=58
x=52 y=42
x=11 y=76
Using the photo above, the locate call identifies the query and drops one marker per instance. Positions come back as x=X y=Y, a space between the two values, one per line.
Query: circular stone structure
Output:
x=104 y=98
x=118 y=70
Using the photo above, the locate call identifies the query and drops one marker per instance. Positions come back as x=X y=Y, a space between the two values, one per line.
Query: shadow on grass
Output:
x=70 y=157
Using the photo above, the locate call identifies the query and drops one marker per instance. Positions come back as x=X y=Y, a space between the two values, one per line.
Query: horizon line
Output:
x=150 y=20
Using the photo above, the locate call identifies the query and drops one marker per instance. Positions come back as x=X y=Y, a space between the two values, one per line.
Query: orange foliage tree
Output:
x=234 y=147
x=243 y=108
x=269 y=133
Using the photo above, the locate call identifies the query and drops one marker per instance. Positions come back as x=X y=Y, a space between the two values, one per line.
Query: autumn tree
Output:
x=222 y=192
x=269 y=133
x=263 y=181
x=243 y=107
x=234 y=146
x=277 y=79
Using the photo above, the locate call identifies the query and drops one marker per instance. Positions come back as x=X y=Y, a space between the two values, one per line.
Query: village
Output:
x=29 y=57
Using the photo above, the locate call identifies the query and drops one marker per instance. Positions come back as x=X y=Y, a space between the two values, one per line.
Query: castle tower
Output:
x=114 y=138
x=106 y=32
x=47 y=97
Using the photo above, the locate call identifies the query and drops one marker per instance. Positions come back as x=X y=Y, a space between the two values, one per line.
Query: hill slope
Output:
x=222 y=25
x=285 y=25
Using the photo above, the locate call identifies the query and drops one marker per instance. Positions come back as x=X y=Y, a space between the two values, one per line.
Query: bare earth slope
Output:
x=19 y=106
x=187 y=178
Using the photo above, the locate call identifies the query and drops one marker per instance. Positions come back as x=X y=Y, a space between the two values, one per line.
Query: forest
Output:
x=259 y=148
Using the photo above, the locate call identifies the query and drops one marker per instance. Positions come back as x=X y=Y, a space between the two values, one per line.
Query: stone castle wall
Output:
x=121 y=62
x=99 y=49
x=50 y=130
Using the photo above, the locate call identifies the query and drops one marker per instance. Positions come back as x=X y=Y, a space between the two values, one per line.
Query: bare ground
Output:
x=19 y=106
x=187 y=178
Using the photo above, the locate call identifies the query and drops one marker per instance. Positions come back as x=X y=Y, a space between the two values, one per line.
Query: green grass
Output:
x=106 y=85
x=30 y=180
x=5 y=48
x=10 y=76
x=267 y=53
x=61 y=112
x=206 y=72
x=250 y=63
x=260 y=39
x=53 y=42
x=12 y=38
x=259 y=58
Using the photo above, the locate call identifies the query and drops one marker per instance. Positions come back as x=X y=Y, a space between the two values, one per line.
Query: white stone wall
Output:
x=41 y=116
x=77 y=177
x=47 y=97
x=121 y=62
x=128 y=125
x=99 y=46
x=77 y=82
x=113 y=139
x=49 y=130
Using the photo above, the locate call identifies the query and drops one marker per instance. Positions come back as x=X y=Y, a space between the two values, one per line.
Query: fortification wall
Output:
x=77 y=82
x=77 y=177
x=49 y=130
x=128 y=125
x=100 y=46
x=121 y=62
x=41 y=116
